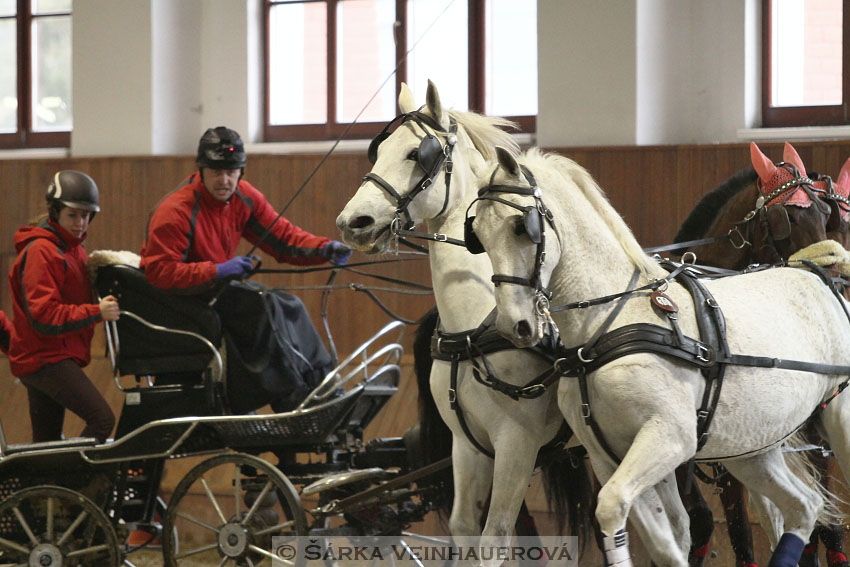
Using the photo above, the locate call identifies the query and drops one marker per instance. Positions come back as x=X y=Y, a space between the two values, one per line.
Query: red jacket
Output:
x=5 y=332
x=53 y=317
x=190 y=232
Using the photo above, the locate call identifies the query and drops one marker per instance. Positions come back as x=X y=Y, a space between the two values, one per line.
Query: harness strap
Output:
x=712 y=331
x=606 y=298
x=454 y=402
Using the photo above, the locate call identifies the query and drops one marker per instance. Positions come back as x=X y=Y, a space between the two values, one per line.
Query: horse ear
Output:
x=790 y=155
x=405 y=99
x=432 y=101
x=507 y=161
x=763 y=166
x=842 y=185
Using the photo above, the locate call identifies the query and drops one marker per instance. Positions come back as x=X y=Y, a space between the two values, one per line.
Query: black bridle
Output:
x=533 y=224
x=431 y=156
x=773 y=217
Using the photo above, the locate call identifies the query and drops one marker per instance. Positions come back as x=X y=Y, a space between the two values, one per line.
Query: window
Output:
x=35 y=73
x=805 y=56
x=326 y=59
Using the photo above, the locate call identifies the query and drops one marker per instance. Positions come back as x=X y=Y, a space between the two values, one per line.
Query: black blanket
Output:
x=274 y=353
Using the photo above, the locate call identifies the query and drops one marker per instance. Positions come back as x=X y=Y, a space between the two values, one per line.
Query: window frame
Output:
x=793 y=116
x=25 y=136
x=332 y=129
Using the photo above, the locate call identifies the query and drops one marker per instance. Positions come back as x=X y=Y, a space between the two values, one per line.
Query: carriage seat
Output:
x=143 y=351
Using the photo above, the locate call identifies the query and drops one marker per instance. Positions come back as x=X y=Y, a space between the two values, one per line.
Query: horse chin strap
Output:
x=403 y=223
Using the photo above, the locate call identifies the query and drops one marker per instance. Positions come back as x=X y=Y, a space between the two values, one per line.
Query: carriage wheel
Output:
x=234 y=509
x=51 y=526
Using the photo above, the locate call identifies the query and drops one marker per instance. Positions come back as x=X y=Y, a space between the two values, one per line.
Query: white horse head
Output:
x=519 y=223
x=422 y=170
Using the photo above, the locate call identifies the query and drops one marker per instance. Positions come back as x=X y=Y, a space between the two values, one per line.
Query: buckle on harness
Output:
x=438 y=237
x=585 y=411
x=452 y=396
x=581 y=356
x=534 y=391
x=702 y=353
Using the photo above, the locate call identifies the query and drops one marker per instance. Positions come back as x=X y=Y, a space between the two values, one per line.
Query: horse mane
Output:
x=486 y=132
x=708 y=208
x=599 y=201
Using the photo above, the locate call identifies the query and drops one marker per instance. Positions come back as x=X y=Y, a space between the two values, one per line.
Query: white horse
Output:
x=514 y=430
x=645 y=404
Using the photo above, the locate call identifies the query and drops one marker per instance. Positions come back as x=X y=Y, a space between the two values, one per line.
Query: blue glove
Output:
x=237 y=266
x=336 y=252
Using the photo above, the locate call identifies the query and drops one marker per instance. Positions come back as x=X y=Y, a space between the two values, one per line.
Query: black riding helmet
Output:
x=75 y=189
x=221 y=148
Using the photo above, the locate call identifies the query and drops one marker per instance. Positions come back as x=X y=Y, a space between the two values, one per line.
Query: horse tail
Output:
x=803 y=467
x=435 y=438
x=570 y=492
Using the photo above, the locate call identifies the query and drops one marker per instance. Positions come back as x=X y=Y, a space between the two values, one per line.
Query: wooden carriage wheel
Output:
x=253 y=516
x=51 y=526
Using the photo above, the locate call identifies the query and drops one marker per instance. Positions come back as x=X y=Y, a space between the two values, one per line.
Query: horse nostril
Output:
x=522 y=330
x=361 y=222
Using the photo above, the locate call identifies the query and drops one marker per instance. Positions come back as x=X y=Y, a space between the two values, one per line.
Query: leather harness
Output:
x=475 y=344
x=710 y=353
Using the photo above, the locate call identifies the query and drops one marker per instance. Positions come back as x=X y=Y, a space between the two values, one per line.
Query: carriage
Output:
x=73 y=502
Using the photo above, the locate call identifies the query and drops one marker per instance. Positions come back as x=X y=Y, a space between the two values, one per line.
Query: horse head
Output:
x=513 y=219
x=410 y=178
x=837 y=195
x=788 y=214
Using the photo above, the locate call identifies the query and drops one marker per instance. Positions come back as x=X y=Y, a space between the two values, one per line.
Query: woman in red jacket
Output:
x=5 y=333
x=53 y=318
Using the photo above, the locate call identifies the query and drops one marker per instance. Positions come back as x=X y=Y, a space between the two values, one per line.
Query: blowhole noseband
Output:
x=534 y=219
x=431 y=156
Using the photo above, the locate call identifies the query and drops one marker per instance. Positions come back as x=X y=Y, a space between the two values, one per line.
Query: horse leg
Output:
x=702 y=520
x=834 y=418
x=680 y=522
x=835 y=421
x=769 y=517
x=512 y=470
x=768 y=474
x=652 y=457
x=472 y=472
x=734 y=499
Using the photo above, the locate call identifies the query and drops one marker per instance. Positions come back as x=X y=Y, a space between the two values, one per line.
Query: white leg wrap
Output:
x=617 y=549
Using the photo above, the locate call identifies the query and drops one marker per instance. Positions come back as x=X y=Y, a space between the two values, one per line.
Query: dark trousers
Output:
x=60 y=386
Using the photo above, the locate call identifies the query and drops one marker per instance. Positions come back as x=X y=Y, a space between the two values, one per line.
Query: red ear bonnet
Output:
x=842 y=187
x=772 y=177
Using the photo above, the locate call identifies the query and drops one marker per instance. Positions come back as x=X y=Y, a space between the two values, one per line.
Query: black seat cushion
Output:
x=144 y=351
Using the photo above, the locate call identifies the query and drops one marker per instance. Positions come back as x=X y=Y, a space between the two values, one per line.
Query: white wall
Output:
x=151 y=75
x=647 y=71
x=175 y=76
x=587 y=84
x=111 y=65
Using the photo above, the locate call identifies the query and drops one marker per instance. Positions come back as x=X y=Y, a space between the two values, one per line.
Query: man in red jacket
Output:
x=193 y=235
x=194 y=231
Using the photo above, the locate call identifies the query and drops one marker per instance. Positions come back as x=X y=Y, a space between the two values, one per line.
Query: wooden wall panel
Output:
x=653 y=187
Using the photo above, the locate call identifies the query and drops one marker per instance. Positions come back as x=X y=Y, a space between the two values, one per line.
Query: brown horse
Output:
x=763 y=215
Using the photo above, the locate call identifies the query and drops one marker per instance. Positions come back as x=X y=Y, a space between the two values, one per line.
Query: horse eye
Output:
x=519 y=225
x=413 y=155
